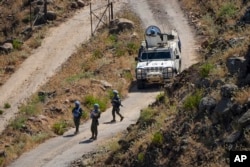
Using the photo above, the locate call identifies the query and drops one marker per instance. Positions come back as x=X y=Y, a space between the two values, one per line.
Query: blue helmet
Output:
x=77 y=103
x=96 y=105
x=115 y=91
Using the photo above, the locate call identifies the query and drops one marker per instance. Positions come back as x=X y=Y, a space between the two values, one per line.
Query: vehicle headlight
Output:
x=170 y=69
x=140 y=71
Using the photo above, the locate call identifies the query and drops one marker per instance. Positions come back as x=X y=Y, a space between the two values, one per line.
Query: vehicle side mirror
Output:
x=177 y=56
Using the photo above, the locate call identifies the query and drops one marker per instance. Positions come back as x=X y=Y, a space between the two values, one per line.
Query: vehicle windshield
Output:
x=155 y=56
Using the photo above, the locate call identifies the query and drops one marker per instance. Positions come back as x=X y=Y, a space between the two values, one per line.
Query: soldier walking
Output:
x=116 y=103
x=95 y=115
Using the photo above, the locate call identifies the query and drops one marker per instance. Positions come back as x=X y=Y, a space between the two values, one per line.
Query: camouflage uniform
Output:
x=77 y=113
x=95 y=115
x=116 y=103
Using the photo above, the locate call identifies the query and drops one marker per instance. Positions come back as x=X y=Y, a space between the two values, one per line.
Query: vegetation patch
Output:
x=59 y=127
x=33 y=108
x=7 y=105
x=192 y=101
x=17 y=44
x=18 y=123
x=157 y=138
x=90 y=100
x=39 y=137
x=205 y=70
x=228 y=10
x=1 y=112
x=141 y=157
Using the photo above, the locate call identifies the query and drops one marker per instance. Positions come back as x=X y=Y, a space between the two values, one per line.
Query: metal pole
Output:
x=109 y=10
x=91 y=22
x=112 y=16
x=30 y=16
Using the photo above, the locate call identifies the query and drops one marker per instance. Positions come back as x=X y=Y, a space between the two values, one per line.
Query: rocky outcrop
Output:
x=78 y=4
x=120 y=24
x=6 y=47
x=207 y=104
x=233 y=137
x=228 y=90
x=235 y=64
x=246 y=17
x=244 y=119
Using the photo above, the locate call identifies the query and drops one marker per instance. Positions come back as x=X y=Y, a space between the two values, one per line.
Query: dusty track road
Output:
x=60 y=151
x=55 y=49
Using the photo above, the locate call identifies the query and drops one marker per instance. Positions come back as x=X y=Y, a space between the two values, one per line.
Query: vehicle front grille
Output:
x=154 y=69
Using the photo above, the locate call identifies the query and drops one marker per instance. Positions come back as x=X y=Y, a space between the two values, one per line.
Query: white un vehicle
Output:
x=159 y=58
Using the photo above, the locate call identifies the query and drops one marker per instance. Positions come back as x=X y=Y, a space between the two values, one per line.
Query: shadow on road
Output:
x=86 y=141
x=110 y=122
x=146 y=89
x=70 y=135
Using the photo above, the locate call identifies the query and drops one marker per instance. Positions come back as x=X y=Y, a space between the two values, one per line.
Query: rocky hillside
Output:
x=205 y=112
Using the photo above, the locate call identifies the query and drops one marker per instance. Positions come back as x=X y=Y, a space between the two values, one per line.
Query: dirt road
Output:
x=60 y=151
x=55 y=49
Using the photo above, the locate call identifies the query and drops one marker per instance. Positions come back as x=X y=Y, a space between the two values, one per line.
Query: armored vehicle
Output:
x=159 y=58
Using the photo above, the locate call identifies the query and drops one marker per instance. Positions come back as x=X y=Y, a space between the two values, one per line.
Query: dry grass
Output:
x=243 y=95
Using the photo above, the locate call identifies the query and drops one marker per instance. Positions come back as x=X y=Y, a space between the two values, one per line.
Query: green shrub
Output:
x=120 y=52
x=141 y=157
x=85 y=115
x=1 y=112
x=146 y=115
x=1 y=161
x=205 y=69
x=59 y=127
x=228 y=10
x=128 y=75
x=29 y=109
x=7 y=105
x=160 y=97
x=18 y=123
x=42 y=97
x=132 y=48
x=17 y=44
x=120 y=49
x=97 y=54
x=157 y=138
x=112 y=38
x=90 y=100
x=192 y=101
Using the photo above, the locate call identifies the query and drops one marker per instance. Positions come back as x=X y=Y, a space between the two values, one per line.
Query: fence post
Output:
x=30 y=16
x=91 y=22
x=112 y=16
